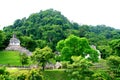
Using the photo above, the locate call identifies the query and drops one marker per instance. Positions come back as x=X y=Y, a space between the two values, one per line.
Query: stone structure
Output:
x=14 y=41
x=14 y=45
x=57 y=65
x=99 y=54
x=94 y=47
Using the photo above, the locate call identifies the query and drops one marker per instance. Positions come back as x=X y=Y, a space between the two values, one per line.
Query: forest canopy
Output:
x=48 y=27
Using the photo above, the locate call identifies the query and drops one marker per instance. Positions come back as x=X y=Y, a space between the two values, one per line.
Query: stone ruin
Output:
x=14 y=45
x=94 y=47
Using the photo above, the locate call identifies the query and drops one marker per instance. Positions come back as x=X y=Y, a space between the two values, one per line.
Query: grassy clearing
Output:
x=10 y=58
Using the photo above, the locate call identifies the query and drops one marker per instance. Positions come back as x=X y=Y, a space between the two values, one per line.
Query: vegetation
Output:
x=114 y=66
x=24 y=59
x=42 y=56
x=67 y=42
x=56 y=75
x=2 y=38
x=75 y=46
x=50 y=26
x=79 y=69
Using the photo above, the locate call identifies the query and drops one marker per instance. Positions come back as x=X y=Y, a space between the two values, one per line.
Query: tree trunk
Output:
x=43 y=66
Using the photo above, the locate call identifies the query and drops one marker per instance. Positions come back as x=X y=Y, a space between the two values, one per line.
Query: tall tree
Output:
x=75 y=46
x=42 y=56
x=27 y=42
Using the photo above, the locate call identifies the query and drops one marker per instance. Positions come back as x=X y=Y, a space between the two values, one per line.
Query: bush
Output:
x=101 y=75
x=65 y=64
x=114 y=66
x=21 y=77
x=4 y=75
x=35 y=75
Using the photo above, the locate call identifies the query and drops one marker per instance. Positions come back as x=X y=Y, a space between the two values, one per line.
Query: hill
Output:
x=10 y=58
x=46 y=28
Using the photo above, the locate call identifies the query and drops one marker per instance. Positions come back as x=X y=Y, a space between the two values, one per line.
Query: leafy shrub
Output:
x=21 y=77
x=101 y=75
x=35 y=75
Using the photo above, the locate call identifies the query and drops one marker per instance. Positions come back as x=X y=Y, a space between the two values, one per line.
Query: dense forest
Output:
x=50 y=31
x=50 y=26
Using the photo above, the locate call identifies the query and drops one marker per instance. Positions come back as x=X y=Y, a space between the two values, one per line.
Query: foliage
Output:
x=114 y=64
x=21 y=77
x=75 y=46
x=101 y=75
x=4 y=75
x=65 y=64
x=24 y=58
x=42 y=56
x=41 y=43
x=3 y=70
x=50 y=26
x=2 y=38
x=105 y=51
x=35 y=75
x=27 y=42
x=55 y=74
x=115 y=45
x=79 y=69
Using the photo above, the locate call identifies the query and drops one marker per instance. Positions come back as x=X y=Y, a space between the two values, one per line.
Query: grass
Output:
x=58 y=74
x=10 y=58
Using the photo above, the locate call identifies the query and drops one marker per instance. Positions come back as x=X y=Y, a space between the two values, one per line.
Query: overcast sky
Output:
x=91 y=12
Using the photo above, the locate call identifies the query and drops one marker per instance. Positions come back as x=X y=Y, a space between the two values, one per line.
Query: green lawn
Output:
x=10 y=57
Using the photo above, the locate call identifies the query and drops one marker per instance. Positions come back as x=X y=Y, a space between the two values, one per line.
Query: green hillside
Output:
x=9 y=58
x=48 y=27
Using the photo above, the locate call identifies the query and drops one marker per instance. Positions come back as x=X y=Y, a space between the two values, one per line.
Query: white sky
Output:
x=91 y=12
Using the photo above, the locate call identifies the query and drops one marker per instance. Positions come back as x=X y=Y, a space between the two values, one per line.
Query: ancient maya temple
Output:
x=14 y=44
x=14 y=41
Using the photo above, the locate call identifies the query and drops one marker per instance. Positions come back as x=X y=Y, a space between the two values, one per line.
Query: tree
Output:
x=51 y=26
x=75 y=46
x=2 y=38
x=41 y=43
x=42 y=56
x=114 y=66
x=27 y=42
x=115 y=45
x=105 y=51
x=24 y=59
x=79 y=69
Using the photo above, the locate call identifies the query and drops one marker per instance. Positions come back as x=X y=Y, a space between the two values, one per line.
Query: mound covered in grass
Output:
x=10 y=58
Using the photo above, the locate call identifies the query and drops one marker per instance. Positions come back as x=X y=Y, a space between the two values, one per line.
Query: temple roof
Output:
x=14 y=40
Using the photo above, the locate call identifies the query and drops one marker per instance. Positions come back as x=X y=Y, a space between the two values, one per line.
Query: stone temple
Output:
x=14 y=41
x=14 y=44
